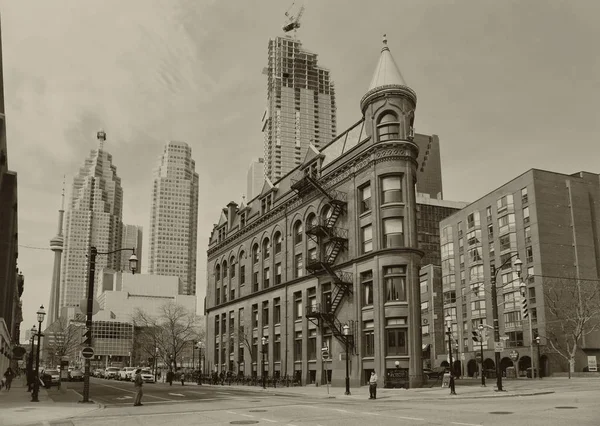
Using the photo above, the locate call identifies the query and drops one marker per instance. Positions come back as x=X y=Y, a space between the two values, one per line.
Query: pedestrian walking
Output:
x=8 y=375
x=182 y=378
x=373 y=385
x=138 y=382
x=170 y=378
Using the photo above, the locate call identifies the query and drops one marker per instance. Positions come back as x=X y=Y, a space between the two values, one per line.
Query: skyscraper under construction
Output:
x=300 y=106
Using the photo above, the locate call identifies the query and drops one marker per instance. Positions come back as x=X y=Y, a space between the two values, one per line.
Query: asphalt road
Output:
x=113 y=393
x=215 y=405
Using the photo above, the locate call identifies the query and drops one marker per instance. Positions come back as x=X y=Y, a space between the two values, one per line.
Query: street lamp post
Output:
x=155 y=364
x=523 y=288
x=494 y=275
x=199 y=345
x=346 y=333
x=41 y=313
x=264 y=377
x=481 y=329
x=133 y=261
x=539 y=363
x=30 y=361
x=449 y=332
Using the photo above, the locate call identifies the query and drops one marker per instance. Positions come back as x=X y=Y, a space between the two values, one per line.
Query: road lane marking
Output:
x=125 y=397
x=231 y=412
x=270 y=421
x=465 y=424
x=130 y=391
x=224 y=393
x=341 y=411
x=370 y=414
x=176 y=394
x=409 y=418
x=247 y=415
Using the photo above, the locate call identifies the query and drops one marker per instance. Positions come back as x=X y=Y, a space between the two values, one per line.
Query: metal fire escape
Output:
x=330 y=241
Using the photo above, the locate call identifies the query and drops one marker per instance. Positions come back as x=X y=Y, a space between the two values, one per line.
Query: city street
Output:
x=570 y=403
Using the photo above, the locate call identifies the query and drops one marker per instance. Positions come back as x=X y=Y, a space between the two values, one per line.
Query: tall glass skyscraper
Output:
x=132 y=238
x=174 y=220
x=300 y=106
x=94 y=218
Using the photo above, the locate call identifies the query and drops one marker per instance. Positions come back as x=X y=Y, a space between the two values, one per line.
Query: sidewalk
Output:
x=467 y=388
x=17 y=409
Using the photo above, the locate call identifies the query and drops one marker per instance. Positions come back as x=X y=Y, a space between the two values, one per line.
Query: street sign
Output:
x=478 y=358
x=514 y=355
x=83 y=307
x=87 y=353
x=499 y=346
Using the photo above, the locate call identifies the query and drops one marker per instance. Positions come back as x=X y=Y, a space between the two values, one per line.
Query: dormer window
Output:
x=242 y=220
x=388 y=127
x=266 y=203
x=312 y=170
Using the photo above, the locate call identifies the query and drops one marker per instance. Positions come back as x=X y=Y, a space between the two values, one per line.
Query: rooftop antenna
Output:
x=101 y=136
x=293 y=21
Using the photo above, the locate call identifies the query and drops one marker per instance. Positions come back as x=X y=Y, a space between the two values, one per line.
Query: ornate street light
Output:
x=41 y=313
x=346 y=330
x=264 y=342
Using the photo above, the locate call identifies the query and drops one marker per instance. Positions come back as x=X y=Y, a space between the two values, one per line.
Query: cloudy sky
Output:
x=507 y=85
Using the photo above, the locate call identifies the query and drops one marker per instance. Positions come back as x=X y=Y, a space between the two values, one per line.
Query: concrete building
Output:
x=56 y=245
x=94 y=218
x=11 y=284
x=132 y=238
x=256 y=178
x=123 y=293
x=551 y=221
x=327 y=256
x=301 y=107
x=174 y=219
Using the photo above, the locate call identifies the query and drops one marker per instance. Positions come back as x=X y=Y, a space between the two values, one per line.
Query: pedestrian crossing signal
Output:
x=87 y=337
x=475 y=336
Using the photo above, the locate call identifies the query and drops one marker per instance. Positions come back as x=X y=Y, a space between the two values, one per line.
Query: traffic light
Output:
x=524 y=310
x=475 y=336
x=87 y=337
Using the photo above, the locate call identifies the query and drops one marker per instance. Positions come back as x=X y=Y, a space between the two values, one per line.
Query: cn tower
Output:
x=56 y=245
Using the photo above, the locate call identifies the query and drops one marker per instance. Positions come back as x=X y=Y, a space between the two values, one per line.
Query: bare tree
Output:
x=169 y=331
x=64 y=339
x=574 y=306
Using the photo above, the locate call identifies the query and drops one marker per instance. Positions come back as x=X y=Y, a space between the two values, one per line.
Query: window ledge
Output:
x=365 y=214
x=394 y=204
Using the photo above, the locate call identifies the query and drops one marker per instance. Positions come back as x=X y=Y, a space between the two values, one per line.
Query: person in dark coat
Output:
x=8 y=375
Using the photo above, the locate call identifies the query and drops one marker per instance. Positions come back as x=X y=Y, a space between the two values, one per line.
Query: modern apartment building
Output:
x=327 y=256
x=550 y=222
x=132 y=238
x=301 y=109
x=174 y=218
x=11 y=283
x=93 y=218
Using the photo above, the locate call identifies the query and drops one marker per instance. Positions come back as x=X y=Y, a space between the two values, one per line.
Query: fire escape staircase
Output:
x=330 y=241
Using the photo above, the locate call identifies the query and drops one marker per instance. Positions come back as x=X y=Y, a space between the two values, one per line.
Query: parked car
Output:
x=147 y=376
x=76 y=375
x=98 y=372
x=126 y=373
x=51 y=378
x=111 y=373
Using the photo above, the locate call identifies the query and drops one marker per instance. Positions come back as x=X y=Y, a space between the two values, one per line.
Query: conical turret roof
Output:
x=387 y=77
x=387 y=71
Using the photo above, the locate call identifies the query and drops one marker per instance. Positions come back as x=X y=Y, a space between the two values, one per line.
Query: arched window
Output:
x=217 y=273
x=232 y=267
x=326 y=214
x=278 y=241
x=242 y=268
x=224 y=269
x=255 y=253
x=266 y=248
x=388 y=127
x=298 y=231
x=311 y=221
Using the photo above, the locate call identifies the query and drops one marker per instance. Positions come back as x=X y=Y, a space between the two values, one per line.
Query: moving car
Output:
x=126 y=373
x=147 y=376
x=111 y=373
x=76 y=375
x=51 y=378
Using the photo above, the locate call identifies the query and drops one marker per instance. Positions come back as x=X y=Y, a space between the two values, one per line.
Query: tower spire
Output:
x=62 y=204
x=101 y=136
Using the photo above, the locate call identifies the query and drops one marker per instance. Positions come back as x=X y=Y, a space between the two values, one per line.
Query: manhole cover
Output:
x=565 y=408
x=500 y=412
x=258 y=411
x=243 y=422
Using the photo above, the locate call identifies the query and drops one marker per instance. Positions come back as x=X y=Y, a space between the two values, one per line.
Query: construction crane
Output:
x=293 y=21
